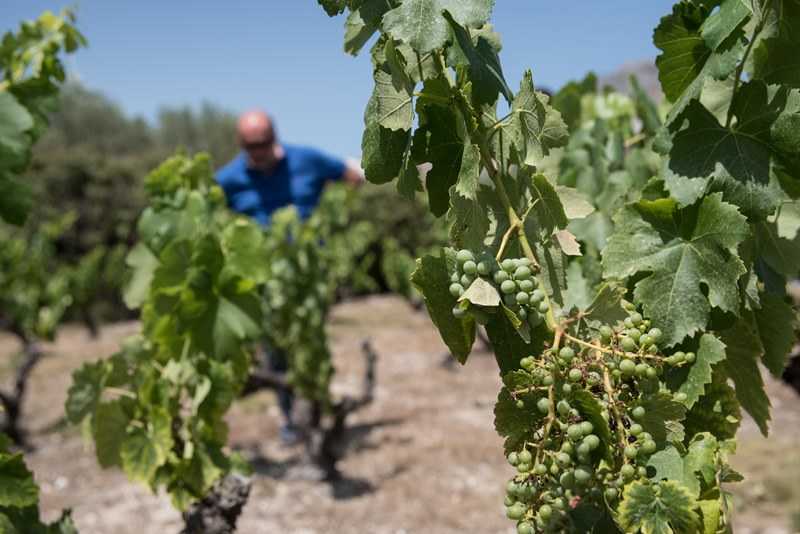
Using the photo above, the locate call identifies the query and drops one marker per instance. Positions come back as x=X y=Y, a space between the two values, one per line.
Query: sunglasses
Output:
x=260 y=145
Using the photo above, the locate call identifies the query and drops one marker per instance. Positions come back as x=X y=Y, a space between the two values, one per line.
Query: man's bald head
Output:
x=257 y=137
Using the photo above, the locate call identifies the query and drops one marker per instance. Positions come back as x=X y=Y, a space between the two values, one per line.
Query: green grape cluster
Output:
x=513 y=278
x=588 y=399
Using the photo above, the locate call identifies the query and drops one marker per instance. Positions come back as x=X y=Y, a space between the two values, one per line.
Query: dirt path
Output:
x=426 y=458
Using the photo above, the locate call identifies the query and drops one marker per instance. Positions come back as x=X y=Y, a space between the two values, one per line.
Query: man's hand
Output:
x=353 y=173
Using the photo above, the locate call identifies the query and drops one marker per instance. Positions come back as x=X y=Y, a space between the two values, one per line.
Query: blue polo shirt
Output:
x=298 y=180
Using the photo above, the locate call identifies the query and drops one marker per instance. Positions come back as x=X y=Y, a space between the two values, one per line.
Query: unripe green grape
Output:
x=508 y=501
x=513 y=458
x=526 y=285
x=644 y=436
x=525 y=456
x=523 y=468
x=563 y=459
x=631 y=451
x=543 y=307
x=641 y=369
x=520 y=404
x=575 y=375
x=566 y=389
x=592 y=441
x=567 y=479
x=508 y=287
x=638 y=412
x=470 y=267
x=567 y=353
x=511 y=487
x=628 y=344
x=611 y=494
x=627 y=367
x=627 y=471
x=534 y=318
x=634 y=333
x=508 y=265
x=522 y=298
x=540 y=469
x=466 y=280
x=583 y=449
x=645 y=340
x=522 y=273
x=525 y=528
x=656 y=334
x=627 y=322
x=455 y=277
x=522 y=314
x=456 y=290
x=510 y=300
x=543 y=405
x=574 y=432
x=545 y=511
x=635 y=429
x=537 y=296
x=586 y=427
x=515 y=511
x=651 y=373
x=484 y=268
x=679 y=357
x=500 y=277
x=563 y=407
x=547 y=380
x=554 y=469
x=464 y=255
x=649 y=447
x=458 y=313
x=690 y=357
x=582 y=475
x=616 y=373
x=606 y=333
x=567 y=446
x=636 y=318
x=680 y=396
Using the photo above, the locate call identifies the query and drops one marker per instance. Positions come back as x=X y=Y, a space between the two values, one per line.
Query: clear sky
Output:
x=286 y=55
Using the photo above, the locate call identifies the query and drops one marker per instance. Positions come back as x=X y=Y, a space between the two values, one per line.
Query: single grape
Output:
x=466 y=280
x=583 y=449
x=522 y=273
x=543 y=307
x=636 y=318
x=508 y=501
x=554 y=469
x=543 y=405
x=455 y=277
x=582 y=475
x=606 y=333
x=627 y=471
x=547 y=380
x=508 y=287
x=566 y=389
x=523 y=468
x=534 y=318
x=526 y=285
x=525 y=528
x=636 y=429
x=537 y=296
x=634 y=333
x=651 y=373
x=500 y=277
x=575 y=375
x=563 y=407
x=611 y=494
x=649 y=447
x=656 y=334
x=574 y=432
x=522 y=298
x=515 y=511
x=631 y=451
x=690 y=357
x=645 y=340
x=522 y=313
x=456 y=290
x=641 y=369
x=563 y=458
x=520 y=404
x=508 y=265
x=567 y=479
x=513 y=458
x=586 y=427
x=567 y=353
x=592 y=441
x=627 y=367
x=628 y=344
x=638 y=412
x=484 y=268
x=540 y=469
x=464 y=255
x=679 y=357
x=627 y=322
x=470 y=267
x=525 y=456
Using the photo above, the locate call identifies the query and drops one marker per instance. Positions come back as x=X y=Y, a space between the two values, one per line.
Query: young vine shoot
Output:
x=628 y=261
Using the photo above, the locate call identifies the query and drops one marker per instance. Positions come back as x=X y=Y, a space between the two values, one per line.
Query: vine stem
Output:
x=551 y=405
x=610 y=351
x=612 y=402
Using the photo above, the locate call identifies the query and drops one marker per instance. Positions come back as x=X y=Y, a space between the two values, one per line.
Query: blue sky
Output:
x=286 y=55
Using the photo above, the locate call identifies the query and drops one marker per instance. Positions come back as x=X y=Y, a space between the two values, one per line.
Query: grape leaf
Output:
x=362 y=23
x=683 y=250
x=467 y=216
x=711 y=512
x=17 y=487
x=687 y=59
x=547 y=214
x=735 y=159
x=741 y=365
x=485 y=71
x=698 y=374
x=432 y=280
x=512 y=422
x=717 y=411
x=575 y=205
x=144 y=450
x=84 y=393
x=569 y=245
x=481 y=293
x=382 y=149
x=109 y=429
x=658 y=508
x=660 y=409
x=774 y=324
x=421 y=23
x=535 y=126
x=590 y=408
x=15 y=137
x=393 y=100
x=775 y=59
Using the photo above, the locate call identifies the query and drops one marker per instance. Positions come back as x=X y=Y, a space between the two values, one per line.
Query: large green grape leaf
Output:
x=664 y=507
x=245 y=250
x=84 y=393
x=512 y=422
x=485 y=71
x=432 y=280
x=695 y=48
x=781 y=252
x=421 y=23
x=144 y=450
x=692 y=381
x=142 y=263
x=774 y=322
x=362 y=23
x=535 y=127
x=17 y=487
x=439 y=142
x=393 y=100
x=775 y=59
x=109 y=429
x=736 y=159
x=467 y=217
x=382 y=149
x=15 y=126
x=717 y=411
x=548 y=213
x=660 y=412
x=684 y=251
x=744 y=350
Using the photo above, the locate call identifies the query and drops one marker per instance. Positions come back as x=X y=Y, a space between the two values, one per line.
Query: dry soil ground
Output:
x=426 y=458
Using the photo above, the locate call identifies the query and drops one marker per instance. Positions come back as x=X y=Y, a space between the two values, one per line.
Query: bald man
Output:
x=268 y=175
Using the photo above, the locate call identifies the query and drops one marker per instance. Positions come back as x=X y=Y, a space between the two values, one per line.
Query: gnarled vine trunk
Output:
x=218 y=512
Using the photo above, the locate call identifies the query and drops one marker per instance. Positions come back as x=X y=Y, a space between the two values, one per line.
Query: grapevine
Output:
x=628 y=261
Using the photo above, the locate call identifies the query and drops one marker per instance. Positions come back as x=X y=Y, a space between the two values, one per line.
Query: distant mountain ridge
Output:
x=645 y=70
